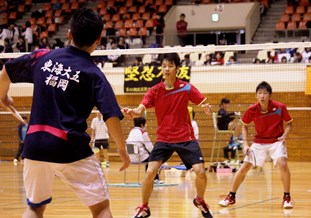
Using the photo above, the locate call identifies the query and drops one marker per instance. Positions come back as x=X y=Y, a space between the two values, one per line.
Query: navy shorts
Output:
x=101 y=144
x=189 y=152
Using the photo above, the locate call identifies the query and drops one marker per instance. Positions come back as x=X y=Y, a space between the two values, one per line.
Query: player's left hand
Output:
x=207 y=108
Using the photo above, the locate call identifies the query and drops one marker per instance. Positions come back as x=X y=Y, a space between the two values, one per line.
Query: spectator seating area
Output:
x=131 y=18
x=295 y=19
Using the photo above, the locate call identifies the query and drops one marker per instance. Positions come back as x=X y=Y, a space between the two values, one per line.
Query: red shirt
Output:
x=269 y=125
x=181 y=27
x=171 y=108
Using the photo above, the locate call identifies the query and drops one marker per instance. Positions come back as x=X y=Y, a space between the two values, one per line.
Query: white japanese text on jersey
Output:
x=59 y=76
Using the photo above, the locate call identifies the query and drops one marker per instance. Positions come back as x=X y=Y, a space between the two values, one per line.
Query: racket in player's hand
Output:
x=7 y=104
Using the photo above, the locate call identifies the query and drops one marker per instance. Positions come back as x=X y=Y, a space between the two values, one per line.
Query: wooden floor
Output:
x=259 y=196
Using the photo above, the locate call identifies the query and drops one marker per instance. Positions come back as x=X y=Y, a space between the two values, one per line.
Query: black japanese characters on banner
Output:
x=140 y=79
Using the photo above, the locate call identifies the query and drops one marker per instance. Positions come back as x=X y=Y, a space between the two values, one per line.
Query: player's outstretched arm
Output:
x=114 y=128
x=206 y=107
x=135 y=112
x=5 y=82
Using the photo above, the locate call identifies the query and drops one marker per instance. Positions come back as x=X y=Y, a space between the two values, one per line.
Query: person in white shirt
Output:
x=195 y=126
x=28 y=34
x=140 y=138
x=5 y=34
x=99 y=138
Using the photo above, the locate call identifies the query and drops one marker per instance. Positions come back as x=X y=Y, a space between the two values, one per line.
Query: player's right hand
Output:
x=246 y=149
x=125 y=159
x=7 y=102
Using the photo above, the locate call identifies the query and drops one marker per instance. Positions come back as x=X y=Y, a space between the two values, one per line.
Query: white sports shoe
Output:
x=227 y=201
x=15 y=162
x=287 y=203
x=156 y=181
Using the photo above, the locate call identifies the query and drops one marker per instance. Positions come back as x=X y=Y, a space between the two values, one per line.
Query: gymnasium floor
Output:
x=259 y=196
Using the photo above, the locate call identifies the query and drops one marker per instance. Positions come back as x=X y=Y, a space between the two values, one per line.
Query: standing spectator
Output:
x=21 y=129
x=268 y=117
x=170 y=99
x=28 y=35
x=57 y=143
x=140 y=138
x=100 y=138
x=182 y=31
x=159 y=29
x=14 y=33
x=5 y=34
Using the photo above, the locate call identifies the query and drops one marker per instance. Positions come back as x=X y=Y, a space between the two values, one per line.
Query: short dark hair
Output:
x=171 y=57
x=264 y=85
x=182 y=15
x=224 y=101
x=139 y=59
x=86 y=26
x=138 y=121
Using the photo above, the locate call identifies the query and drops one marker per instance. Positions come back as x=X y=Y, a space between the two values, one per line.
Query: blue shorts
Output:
x=189 y=152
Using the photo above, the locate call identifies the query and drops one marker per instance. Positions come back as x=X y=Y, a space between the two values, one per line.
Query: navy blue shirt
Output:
x=67 y=85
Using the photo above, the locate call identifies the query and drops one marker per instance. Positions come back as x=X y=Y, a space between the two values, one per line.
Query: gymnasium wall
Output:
x=234 y=16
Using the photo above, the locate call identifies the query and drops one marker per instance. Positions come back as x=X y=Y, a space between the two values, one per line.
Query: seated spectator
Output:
x=140 y=138
x=115 y=59
x=8 y=46
x=219 y=60
x=122 y=44
x=257 y=61
x=306 y=54
x=109 y=43
x=21 y=44
x=283 y=53
x=58 y=43
x=44 y=43
x=283 y=60
x=297 y=58
x=232 y=60
x=187 y=62
x=138 y=62
x=233 y=145
x=208 y=59
x=101 y=59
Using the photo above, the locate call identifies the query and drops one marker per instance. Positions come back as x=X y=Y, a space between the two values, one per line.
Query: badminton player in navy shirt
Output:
x=67 y=86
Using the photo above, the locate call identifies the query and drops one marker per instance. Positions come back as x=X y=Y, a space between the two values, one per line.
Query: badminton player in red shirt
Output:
x=268 y=116
x=170 y=99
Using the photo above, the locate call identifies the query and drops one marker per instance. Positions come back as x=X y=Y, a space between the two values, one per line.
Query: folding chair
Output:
x=218 y=137
x=132 y=149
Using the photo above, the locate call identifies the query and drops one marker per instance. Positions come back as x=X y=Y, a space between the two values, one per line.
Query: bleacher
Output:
x=295 y=20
